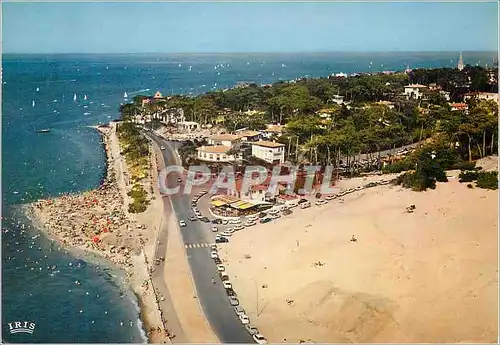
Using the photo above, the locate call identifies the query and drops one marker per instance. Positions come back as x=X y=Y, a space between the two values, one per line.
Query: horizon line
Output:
x=256 y=52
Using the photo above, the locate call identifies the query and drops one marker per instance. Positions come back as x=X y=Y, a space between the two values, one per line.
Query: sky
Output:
x=121 y=27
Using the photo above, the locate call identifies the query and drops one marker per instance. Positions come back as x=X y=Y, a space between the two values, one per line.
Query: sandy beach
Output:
x=97 y=221
x=426 y=276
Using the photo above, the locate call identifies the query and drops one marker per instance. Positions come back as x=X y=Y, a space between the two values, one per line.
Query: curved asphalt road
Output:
x=213 y=297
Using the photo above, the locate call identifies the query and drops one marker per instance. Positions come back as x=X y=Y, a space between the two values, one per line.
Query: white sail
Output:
x=33 y=103
x=85 y=97
x=37 y=89
x=125 y=95
x=74 y=97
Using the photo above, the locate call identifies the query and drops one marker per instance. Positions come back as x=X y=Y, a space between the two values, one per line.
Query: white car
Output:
x=214 y=255
x=221 y=268
x=182 y=223
x=214 y=229
x=330 y=197
x=199 y=216
x=252 y=218
x=305 y=205
x=238 y=227
x=275 y=215
x=244 y=319
x=213 y=247
x=259 y=338
x=359 y=187
x=227 y=233
x=320 y=202
x=234 y=221
x=230 y=230
x=227 y=284
x=250 y=223
x=225 y=222
x=274 y=212
x=162 y=147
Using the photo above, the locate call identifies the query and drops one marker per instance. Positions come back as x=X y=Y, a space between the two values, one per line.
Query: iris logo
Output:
x=21 y=327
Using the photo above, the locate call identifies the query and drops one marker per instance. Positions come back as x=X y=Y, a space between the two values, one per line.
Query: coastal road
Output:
x=212 y=297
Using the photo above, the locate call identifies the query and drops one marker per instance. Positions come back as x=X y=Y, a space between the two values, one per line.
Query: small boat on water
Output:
x=33 y=104
x=46 y=130
x=85 y=97
x=125 y=95
x=74 y=97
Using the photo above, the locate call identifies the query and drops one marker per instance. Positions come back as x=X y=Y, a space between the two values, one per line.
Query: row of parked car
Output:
x=324 y=201
x=233 y=299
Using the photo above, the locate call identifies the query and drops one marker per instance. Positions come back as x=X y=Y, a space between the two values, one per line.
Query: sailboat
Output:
x=37 y=89
x=85 y=97
x=33 y=103
x=74 y=97
x=125 y=95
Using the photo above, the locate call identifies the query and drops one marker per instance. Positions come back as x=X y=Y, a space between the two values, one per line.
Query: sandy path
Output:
x=429 y=276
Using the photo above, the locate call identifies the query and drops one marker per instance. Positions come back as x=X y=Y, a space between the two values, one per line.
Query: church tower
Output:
x=460 y=64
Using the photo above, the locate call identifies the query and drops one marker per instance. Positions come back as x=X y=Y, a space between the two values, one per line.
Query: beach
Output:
x=425 y=276
x=98 y=221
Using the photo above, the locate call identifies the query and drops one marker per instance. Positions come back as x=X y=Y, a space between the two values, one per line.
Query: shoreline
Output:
x=97 y=222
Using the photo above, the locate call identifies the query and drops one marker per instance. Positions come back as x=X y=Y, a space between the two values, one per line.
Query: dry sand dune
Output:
x=428 y=276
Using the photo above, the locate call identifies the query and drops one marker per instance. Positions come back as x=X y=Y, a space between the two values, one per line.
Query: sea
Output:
x=72 y=297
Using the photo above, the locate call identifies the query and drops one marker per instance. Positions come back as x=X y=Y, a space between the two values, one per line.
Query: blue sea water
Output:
x=38 y=279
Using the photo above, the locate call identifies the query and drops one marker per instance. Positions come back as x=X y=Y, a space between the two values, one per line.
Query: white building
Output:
x=188 y=126
x=223 y=139
x=445 y=94
x=248 y=135
x=414 y=91
x=215 y=154
x=271 y=152
x=338 y=99
x=486 y=96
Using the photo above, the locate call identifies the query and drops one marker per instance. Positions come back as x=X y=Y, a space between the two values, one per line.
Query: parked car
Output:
x=214 y=255
x=265 y=220
x=239 y=310
x=286 y=212
x=217 y=261
x=259 y=338
x=192 y=218
x=250 y=223
x=251 y=329
x=293 y=203
x=221 y=268
x=226 y=233
x=182 y=223
x=275 y=216
x=244 y=319
x=359 y=187
x=213 y=246
x=252 y=218
x=214 y=229
x=262 y=214
x=221 y=239
x=239 y=227
x=301 y=201
x=162 y=147
x=225 y=222
x=233 y=301
x=230 y=230
x=205 y=219
x=235 y=221
x=320 y=202
x=330 y=197
x=227 y=284
x=199 y=216
x=223 y=276
x=217 y=221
